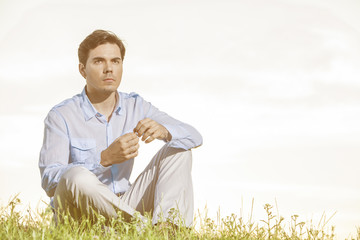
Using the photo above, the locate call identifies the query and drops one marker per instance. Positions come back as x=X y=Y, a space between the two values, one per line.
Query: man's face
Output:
x=103 y=70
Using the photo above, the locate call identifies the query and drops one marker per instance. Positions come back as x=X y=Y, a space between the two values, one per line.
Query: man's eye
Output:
x=116 y=61
x=97 y=61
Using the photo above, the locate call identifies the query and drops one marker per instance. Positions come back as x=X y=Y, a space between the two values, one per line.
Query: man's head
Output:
x=101 y=57
x=95 y=39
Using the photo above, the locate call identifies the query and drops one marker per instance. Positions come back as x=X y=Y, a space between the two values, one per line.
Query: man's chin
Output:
x=109 y=89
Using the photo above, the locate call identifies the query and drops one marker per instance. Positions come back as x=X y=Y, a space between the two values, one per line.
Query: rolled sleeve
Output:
x=184 y=136
x=93 y=164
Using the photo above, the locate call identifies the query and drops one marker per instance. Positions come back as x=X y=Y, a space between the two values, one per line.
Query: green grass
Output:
x=15 y=224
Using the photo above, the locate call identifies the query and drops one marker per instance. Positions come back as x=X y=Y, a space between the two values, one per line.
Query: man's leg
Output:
x=81 y=193
x=165 y=184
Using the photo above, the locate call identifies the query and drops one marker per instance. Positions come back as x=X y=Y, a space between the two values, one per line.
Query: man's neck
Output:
x=104 y=103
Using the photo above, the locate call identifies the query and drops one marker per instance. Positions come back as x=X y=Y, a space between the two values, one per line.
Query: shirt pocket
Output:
x=82 y=149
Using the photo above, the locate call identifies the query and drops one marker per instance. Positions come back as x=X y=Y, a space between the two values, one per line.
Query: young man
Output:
x=91 y=140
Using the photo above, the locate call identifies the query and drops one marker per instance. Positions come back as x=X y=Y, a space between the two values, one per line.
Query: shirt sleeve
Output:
x=183 y=135
x=55 y=153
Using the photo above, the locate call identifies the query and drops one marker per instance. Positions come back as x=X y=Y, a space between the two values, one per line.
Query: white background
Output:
x=273 y=86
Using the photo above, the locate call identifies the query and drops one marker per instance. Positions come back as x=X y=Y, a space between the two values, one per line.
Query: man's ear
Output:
x=82 y=70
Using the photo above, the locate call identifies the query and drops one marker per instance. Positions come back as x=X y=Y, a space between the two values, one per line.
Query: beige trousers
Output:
x=164 y=186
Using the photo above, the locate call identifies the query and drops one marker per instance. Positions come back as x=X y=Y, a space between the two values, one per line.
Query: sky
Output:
x=272 y=85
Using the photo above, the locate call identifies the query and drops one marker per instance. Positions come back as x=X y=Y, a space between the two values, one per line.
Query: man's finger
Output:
x=132 y=149
x=141 y=123
x=144 y=128
x=132 y=155
x=127 y=137
x=150 y=139
x=133 y=141
x=149 y=132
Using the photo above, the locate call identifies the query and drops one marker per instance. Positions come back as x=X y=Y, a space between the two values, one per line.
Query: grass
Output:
x=15 y=224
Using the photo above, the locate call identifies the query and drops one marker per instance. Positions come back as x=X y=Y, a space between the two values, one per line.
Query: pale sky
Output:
x=273 y=86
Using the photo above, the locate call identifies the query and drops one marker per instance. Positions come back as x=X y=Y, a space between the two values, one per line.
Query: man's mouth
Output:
x=109 y=80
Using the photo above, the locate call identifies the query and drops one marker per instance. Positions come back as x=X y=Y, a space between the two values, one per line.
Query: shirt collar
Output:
x=117 y=107
x=90 y=111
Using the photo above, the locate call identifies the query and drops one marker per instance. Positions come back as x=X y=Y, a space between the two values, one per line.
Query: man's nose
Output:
x=108 y=68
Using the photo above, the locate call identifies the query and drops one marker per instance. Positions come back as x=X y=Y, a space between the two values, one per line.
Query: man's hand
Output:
x=122 y=149
x=151 y=130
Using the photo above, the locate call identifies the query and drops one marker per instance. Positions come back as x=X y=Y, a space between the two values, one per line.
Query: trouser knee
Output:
x=176 y=153
x=182 y=157
x=74 y=183
x=78 y=178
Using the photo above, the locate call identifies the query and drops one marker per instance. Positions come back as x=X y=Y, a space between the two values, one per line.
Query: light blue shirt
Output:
x=76 y=134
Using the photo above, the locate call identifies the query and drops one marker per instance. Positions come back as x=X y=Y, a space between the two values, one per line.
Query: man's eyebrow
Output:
x=101 y=58
x=98 y=58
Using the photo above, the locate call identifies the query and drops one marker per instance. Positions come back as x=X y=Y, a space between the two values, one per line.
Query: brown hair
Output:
x=95 y=39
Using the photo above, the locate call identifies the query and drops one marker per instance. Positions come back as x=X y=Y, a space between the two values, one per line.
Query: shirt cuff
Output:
x=176 y=131
x=95 y=165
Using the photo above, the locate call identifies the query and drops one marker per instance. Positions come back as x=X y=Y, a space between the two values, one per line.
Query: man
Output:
x=91 y=140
